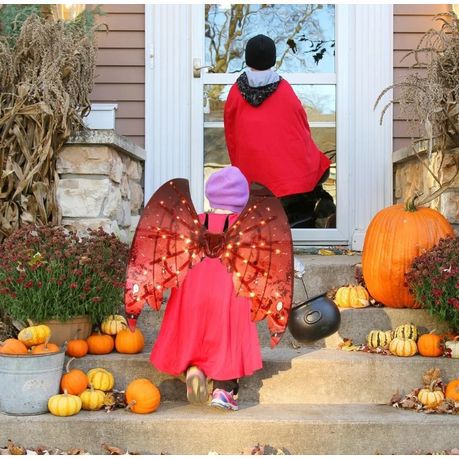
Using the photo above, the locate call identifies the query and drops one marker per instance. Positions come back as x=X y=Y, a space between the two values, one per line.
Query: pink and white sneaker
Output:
x=223 y=399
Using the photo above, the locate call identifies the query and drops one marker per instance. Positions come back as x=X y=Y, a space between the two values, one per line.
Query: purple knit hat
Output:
x=227 y=189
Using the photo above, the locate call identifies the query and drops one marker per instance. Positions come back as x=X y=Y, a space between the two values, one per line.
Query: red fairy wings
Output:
x=257 y=249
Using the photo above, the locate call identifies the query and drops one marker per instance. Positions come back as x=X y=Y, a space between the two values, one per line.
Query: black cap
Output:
x=260 y=53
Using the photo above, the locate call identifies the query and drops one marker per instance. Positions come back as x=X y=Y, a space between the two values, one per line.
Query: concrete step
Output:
x=355 y=324
x=180 y=428
x=301 y=376
x=322 y=273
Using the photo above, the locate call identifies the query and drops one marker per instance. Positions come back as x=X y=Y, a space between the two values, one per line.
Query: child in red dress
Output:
x=207 y=331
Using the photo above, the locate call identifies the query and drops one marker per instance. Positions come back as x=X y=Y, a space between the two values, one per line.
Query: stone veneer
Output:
x=100 y=182
x=411 y=176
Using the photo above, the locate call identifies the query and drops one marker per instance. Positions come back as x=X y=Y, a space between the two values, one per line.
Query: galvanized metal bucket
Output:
x=28 y=381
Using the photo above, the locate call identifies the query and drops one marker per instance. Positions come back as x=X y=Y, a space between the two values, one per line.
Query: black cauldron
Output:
x=314 y=319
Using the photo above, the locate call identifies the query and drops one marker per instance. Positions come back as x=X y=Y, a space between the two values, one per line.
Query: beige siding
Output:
x=410 y=22
x=121 y=67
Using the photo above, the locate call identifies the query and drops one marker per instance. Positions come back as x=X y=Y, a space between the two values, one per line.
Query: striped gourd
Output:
x=64 y=404
x=379 y=338
x=407 y=331
x=92 y=399
x=403 y=347
x=101 y=379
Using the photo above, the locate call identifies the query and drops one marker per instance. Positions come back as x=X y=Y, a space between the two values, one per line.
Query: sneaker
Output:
x=196 y=386
x=224 y=400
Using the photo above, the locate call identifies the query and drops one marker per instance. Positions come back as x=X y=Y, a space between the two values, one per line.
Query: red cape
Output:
x=271 y=144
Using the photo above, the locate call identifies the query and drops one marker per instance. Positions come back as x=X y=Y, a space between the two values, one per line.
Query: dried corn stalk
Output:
x=429 y=100
x=46 y=77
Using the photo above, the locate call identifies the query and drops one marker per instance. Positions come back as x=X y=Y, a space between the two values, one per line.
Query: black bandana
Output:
x=255 y=96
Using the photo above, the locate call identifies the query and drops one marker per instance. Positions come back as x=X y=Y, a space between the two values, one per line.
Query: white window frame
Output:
x=174 y=137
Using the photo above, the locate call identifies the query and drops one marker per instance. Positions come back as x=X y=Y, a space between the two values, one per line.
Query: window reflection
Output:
x=304 y=35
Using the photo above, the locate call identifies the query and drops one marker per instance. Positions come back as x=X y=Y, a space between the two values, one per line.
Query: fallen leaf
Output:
x=15 y=450
x=113 y=450
x=326 y=252
x=76 y=451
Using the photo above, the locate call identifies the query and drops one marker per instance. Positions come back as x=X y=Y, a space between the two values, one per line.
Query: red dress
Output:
x=206 y=324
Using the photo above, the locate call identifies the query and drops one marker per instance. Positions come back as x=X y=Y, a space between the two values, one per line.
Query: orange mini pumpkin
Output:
x=12 y=346
x=127 y=342
x=45 y=348
x=100 y=344
x=77 y=348
x=429 y=345
x=142 y=396
x=74 y=381
x=452 y=390
x=395 y=237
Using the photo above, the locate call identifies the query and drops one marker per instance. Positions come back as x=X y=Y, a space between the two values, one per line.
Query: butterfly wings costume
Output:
x=256 y=249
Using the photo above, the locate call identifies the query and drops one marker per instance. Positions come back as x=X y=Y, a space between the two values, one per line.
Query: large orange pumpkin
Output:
x=127 y=342
x=12 y=346
x=100 y=344
x=142 y=396
x=45 y=348
x=394 y=238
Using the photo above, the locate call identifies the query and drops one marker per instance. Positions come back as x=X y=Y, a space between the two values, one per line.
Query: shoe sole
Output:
x=223 y=406
x=196 y=389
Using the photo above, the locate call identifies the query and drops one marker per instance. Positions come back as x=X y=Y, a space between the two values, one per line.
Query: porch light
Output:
x=67 y=11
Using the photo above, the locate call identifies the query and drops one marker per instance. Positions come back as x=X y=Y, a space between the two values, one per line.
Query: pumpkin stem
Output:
x=67 y=367
x=31 y=324
x=131 y=404
x=410 y=205
x=65 y=392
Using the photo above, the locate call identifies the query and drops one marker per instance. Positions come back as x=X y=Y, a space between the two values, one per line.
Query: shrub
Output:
x=51 y=273
x=434 y=281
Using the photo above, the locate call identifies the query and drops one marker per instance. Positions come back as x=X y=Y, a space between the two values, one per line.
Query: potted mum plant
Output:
x=434 y=281
x=51 y=275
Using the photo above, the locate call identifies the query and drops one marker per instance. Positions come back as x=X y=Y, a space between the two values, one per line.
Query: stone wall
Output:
x=411 y=176
x=100 y=183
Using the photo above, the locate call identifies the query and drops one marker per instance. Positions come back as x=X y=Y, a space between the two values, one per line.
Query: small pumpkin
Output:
x=453 y=346
x=379 y=338
x=74 y=381
x=430 y=345
x=394 y=238
x=142 y=396
x=431 y=398
x=452 y=390
x=45 y=348
x=12 y=346
x=113 y=324
x=77 y=348
x=101 y=379
x=100 y=344
x=352 y=296
x=403 y=347
x=127 y=342
x=34 y=335
x=92 y=399
x=407 y=331
x=64 y=404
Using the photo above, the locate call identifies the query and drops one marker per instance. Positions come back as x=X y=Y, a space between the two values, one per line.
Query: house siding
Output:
x=120 y=73
x=121 y=62
x=410 y=22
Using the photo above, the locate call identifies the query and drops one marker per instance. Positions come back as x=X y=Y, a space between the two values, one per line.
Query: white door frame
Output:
x=173 y=135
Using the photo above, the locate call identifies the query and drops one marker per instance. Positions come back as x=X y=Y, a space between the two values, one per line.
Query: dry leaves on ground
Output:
x=347 y=345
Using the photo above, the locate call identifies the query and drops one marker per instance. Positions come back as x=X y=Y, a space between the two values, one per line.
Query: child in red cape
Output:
x=207 y=331
x=269 y=139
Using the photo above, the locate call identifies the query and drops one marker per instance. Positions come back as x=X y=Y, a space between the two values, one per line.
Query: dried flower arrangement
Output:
x=429 y=101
